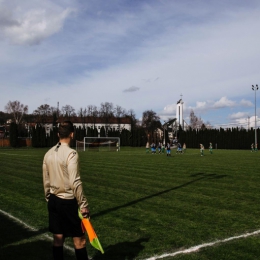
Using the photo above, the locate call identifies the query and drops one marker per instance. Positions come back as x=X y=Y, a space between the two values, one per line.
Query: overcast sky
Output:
x=138 y=54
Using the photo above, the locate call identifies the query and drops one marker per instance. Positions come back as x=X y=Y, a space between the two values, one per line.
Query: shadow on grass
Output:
x=209 y=176
x=123 y=250
x=12 y=232
x=18 y=242
x=202 y=176
x=38 y=250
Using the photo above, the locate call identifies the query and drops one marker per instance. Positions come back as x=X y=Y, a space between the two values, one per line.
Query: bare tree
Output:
x=208 y=125
x=17 y=109
x=42 y=112
x=130 y=113
x=150 y=122
x=68 y=111
x=55 y=114
x=195 y=122
x=54 y=110
x=107 y=112
x=119 y=112
x=82 y=113
x=92 y=113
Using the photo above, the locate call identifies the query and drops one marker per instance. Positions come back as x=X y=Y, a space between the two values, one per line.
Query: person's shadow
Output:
x=19 y=242
x=122 y=251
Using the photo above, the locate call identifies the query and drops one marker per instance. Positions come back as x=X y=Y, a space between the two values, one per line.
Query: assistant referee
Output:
x=64 y=194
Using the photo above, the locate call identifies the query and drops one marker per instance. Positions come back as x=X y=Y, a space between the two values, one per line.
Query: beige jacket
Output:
x=61 y=174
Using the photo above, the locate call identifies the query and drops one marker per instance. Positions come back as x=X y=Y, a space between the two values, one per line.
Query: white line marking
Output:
x=186 y=251
x=17 y=220
x=198 y=247
x=15 y=154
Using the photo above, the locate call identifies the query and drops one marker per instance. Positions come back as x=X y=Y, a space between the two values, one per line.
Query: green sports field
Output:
x=142 y=205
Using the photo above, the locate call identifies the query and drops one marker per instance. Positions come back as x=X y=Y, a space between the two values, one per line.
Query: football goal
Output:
x=98 y=144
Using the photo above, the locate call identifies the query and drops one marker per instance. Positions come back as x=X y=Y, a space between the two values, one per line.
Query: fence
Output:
x=22 y=142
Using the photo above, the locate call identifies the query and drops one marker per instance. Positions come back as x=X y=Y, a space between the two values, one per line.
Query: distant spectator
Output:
x=201 y=149
x=210 y=148
x=168 y=149
x=159 y=147
x=184 y=147
x=147 y=147
x=179 y=148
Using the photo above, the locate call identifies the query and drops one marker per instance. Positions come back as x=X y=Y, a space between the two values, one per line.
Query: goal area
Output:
x=99 y=144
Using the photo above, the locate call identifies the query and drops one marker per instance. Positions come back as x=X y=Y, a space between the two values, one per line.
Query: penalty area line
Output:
x=198 y=247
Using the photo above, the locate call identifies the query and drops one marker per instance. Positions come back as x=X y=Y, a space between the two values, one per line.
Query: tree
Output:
x=119 y=113
x=107 y=112
x=150 y=122
x=93 y=114
x=17 y=109
x=132 y=116
x=195 y=122
x=82 y=113
x=3 y=117
x=42 y=112
x=102 y=132
x=68 y=111
x=13 y=132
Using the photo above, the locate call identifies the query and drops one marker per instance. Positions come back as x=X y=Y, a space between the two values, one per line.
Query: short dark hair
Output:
x=65 y=129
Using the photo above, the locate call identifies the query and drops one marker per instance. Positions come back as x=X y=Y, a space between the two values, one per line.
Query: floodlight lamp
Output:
x=253 y=87
x=257 y=87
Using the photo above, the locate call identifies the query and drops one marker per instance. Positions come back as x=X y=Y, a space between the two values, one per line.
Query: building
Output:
x=179 y=114
x=113 y=123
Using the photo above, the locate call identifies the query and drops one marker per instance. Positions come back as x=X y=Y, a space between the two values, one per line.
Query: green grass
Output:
x=141 y=204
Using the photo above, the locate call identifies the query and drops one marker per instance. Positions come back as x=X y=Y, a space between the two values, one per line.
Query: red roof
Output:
x=88 y=120
x=96 y=120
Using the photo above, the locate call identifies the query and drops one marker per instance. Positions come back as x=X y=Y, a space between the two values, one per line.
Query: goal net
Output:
x=79 y=146
x=99 y=144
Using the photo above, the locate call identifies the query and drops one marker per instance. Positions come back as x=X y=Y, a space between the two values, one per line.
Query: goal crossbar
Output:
x=95 y=143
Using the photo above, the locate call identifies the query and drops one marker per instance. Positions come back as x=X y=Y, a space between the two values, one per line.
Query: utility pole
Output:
x=255 y=88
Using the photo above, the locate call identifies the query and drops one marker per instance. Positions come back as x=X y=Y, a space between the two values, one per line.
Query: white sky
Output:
x=140 y=55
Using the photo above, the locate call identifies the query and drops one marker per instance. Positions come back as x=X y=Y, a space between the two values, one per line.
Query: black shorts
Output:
x=63 y=217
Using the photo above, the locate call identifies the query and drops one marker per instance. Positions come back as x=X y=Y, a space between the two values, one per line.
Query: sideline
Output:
x=17 y=220
x=198 y=247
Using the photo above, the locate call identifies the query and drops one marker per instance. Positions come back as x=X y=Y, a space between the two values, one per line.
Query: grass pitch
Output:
x=141 y=204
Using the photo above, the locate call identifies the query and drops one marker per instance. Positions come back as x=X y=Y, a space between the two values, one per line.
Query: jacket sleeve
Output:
x=75 y=181
x=46 y=180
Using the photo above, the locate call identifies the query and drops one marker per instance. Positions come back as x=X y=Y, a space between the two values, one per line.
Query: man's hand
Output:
x=85 y=212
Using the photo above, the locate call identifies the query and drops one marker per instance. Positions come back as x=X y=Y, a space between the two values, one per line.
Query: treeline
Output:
x=136 y=137
x=18 y=112
x=232 y=138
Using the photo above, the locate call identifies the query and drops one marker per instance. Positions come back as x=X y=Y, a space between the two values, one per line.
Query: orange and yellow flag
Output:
x=93 y=239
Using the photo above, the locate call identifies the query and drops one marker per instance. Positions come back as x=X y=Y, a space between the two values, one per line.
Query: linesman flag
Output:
x=93 y=239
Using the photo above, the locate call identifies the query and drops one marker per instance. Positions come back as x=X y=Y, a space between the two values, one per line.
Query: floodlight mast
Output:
x=255 y=88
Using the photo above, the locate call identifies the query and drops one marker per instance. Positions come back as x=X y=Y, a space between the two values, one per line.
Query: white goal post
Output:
x=98 y=144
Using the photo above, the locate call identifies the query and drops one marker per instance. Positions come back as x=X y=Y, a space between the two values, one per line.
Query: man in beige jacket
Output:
x=64 y=194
